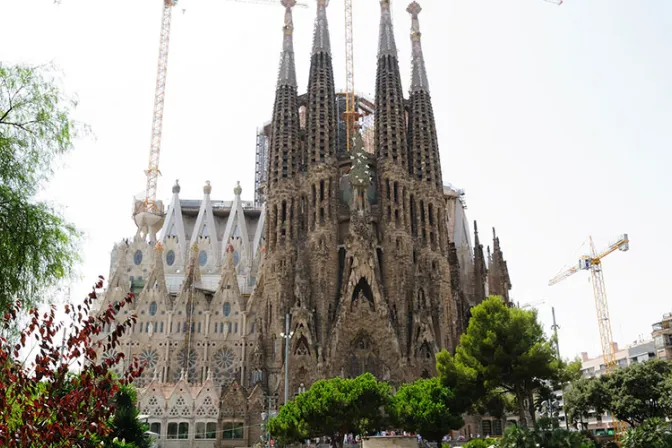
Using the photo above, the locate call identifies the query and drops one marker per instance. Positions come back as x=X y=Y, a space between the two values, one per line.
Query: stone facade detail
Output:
x=369 y=254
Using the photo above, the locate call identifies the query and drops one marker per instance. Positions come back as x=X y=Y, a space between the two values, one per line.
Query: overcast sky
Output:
x=554 y=119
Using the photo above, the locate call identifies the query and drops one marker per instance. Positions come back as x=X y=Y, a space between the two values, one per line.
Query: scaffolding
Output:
x=261 y=166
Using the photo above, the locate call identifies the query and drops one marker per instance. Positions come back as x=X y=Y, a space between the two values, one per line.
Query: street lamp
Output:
x=287 y=335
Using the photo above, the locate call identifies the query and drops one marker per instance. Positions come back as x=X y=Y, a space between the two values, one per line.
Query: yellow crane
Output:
x=152 y=172
x=593 y=263
x=350 y=115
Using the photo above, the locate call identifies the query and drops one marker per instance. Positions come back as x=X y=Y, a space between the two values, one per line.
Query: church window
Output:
x=235 y=328
x=149 y=358
x=321 y=190
x=156 y=327
x=232 y=430
x=172 y=430
x=170 y=257
x=229 y=328
x=227 y=309
x=183 y=430
x=147 y=327
x=224 y=366
x=275 y=347
x=203 y=258
x=252 y=328
x=396 y=192
x=137 y=258
x=140 y=328
x=431 y=215
x=206 y=430
x=236 y=258
x=155 y=427
x=199 y=327
x=152 y=308
x=161 y=330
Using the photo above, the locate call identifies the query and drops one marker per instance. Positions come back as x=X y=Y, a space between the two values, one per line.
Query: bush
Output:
x=653 y=433
x=558 y=438
x=479 y=443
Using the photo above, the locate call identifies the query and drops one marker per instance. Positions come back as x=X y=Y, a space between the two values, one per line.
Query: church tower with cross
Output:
x=364 y=255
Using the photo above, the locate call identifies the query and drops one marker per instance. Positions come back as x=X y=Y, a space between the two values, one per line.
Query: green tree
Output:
x=506 y=348
x=653 y=433
x=37 y=246
x=427 y=408
x=516 y=437
x=333 y=407
x=124 y=423
x=641 y=391
x=585 y=396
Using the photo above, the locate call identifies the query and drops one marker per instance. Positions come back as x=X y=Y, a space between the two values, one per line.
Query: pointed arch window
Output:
x=203 y=258
x=226 y=309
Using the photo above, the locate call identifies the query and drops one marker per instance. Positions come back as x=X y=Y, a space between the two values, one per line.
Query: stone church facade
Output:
x=369 y=254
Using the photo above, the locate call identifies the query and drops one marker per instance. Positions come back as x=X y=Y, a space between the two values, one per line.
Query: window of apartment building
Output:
x=206 y=430
x=232 y=430
x=178 y=430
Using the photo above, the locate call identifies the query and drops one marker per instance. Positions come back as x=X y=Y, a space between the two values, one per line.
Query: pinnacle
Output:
x=321 y=41
x=386 y=43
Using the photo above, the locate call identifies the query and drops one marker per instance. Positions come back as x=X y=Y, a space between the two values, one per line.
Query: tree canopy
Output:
x=503 y=348
x=124 y=423
x=333 y=407
x=37 y=245
x=426 y=407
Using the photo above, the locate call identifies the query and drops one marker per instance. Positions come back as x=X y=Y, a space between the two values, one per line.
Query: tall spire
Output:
x=284 y=146
x=386 y=43
x=287 y=72
x=321 y=40
x=423 y=146
x=499 y=282
x=390 y=125
x=480 y=271
x=419 y=74
x=321 y=120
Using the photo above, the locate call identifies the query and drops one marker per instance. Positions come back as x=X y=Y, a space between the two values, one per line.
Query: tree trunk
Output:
x=530 y=408
x=520 y=401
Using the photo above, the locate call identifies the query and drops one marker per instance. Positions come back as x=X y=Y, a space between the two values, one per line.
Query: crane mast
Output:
x=157 y=117
x=593 y=263
x=350 y=115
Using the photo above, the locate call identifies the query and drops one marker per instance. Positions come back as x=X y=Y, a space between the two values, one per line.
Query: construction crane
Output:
x=148 y=214
x=350 y=116
x=593 y=263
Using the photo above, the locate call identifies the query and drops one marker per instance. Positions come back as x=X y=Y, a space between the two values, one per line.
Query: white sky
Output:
x=556 y=121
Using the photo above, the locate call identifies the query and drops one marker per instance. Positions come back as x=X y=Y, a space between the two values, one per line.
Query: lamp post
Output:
x=287 y=335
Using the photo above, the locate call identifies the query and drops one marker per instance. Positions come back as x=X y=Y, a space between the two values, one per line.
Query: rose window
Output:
x=189 y=366
x=224 y=365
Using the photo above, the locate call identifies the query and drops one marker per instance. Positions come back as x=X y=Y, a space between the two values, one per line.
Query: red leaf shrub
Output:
x=45 y=404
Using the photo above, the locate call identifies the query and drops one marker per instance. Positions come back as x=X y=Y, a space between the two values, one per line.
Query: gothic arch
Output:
x=363 y=289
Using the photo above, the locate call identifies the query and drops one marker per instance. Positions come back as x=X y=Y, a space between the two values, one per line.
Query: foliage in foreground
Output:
x=124 y=424
x=37 y=246
x=43 y=404
x=333 y=407
x=653 y=433
x=480 y=443
x=425 y=407
x=558 y=438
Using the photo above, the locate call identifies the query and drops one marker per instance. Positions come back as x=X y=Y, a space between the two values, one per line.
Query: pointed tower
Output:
x=499 y=282
x=390 y=127
x=284 y=151
x=284 y=146
x=480 y=273
x=321 y=117
x=424 y=164
x=320 y=193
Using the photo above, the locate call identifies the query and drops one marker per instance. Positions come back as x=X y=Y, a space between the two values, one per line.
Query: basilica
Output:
x=361 y=260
